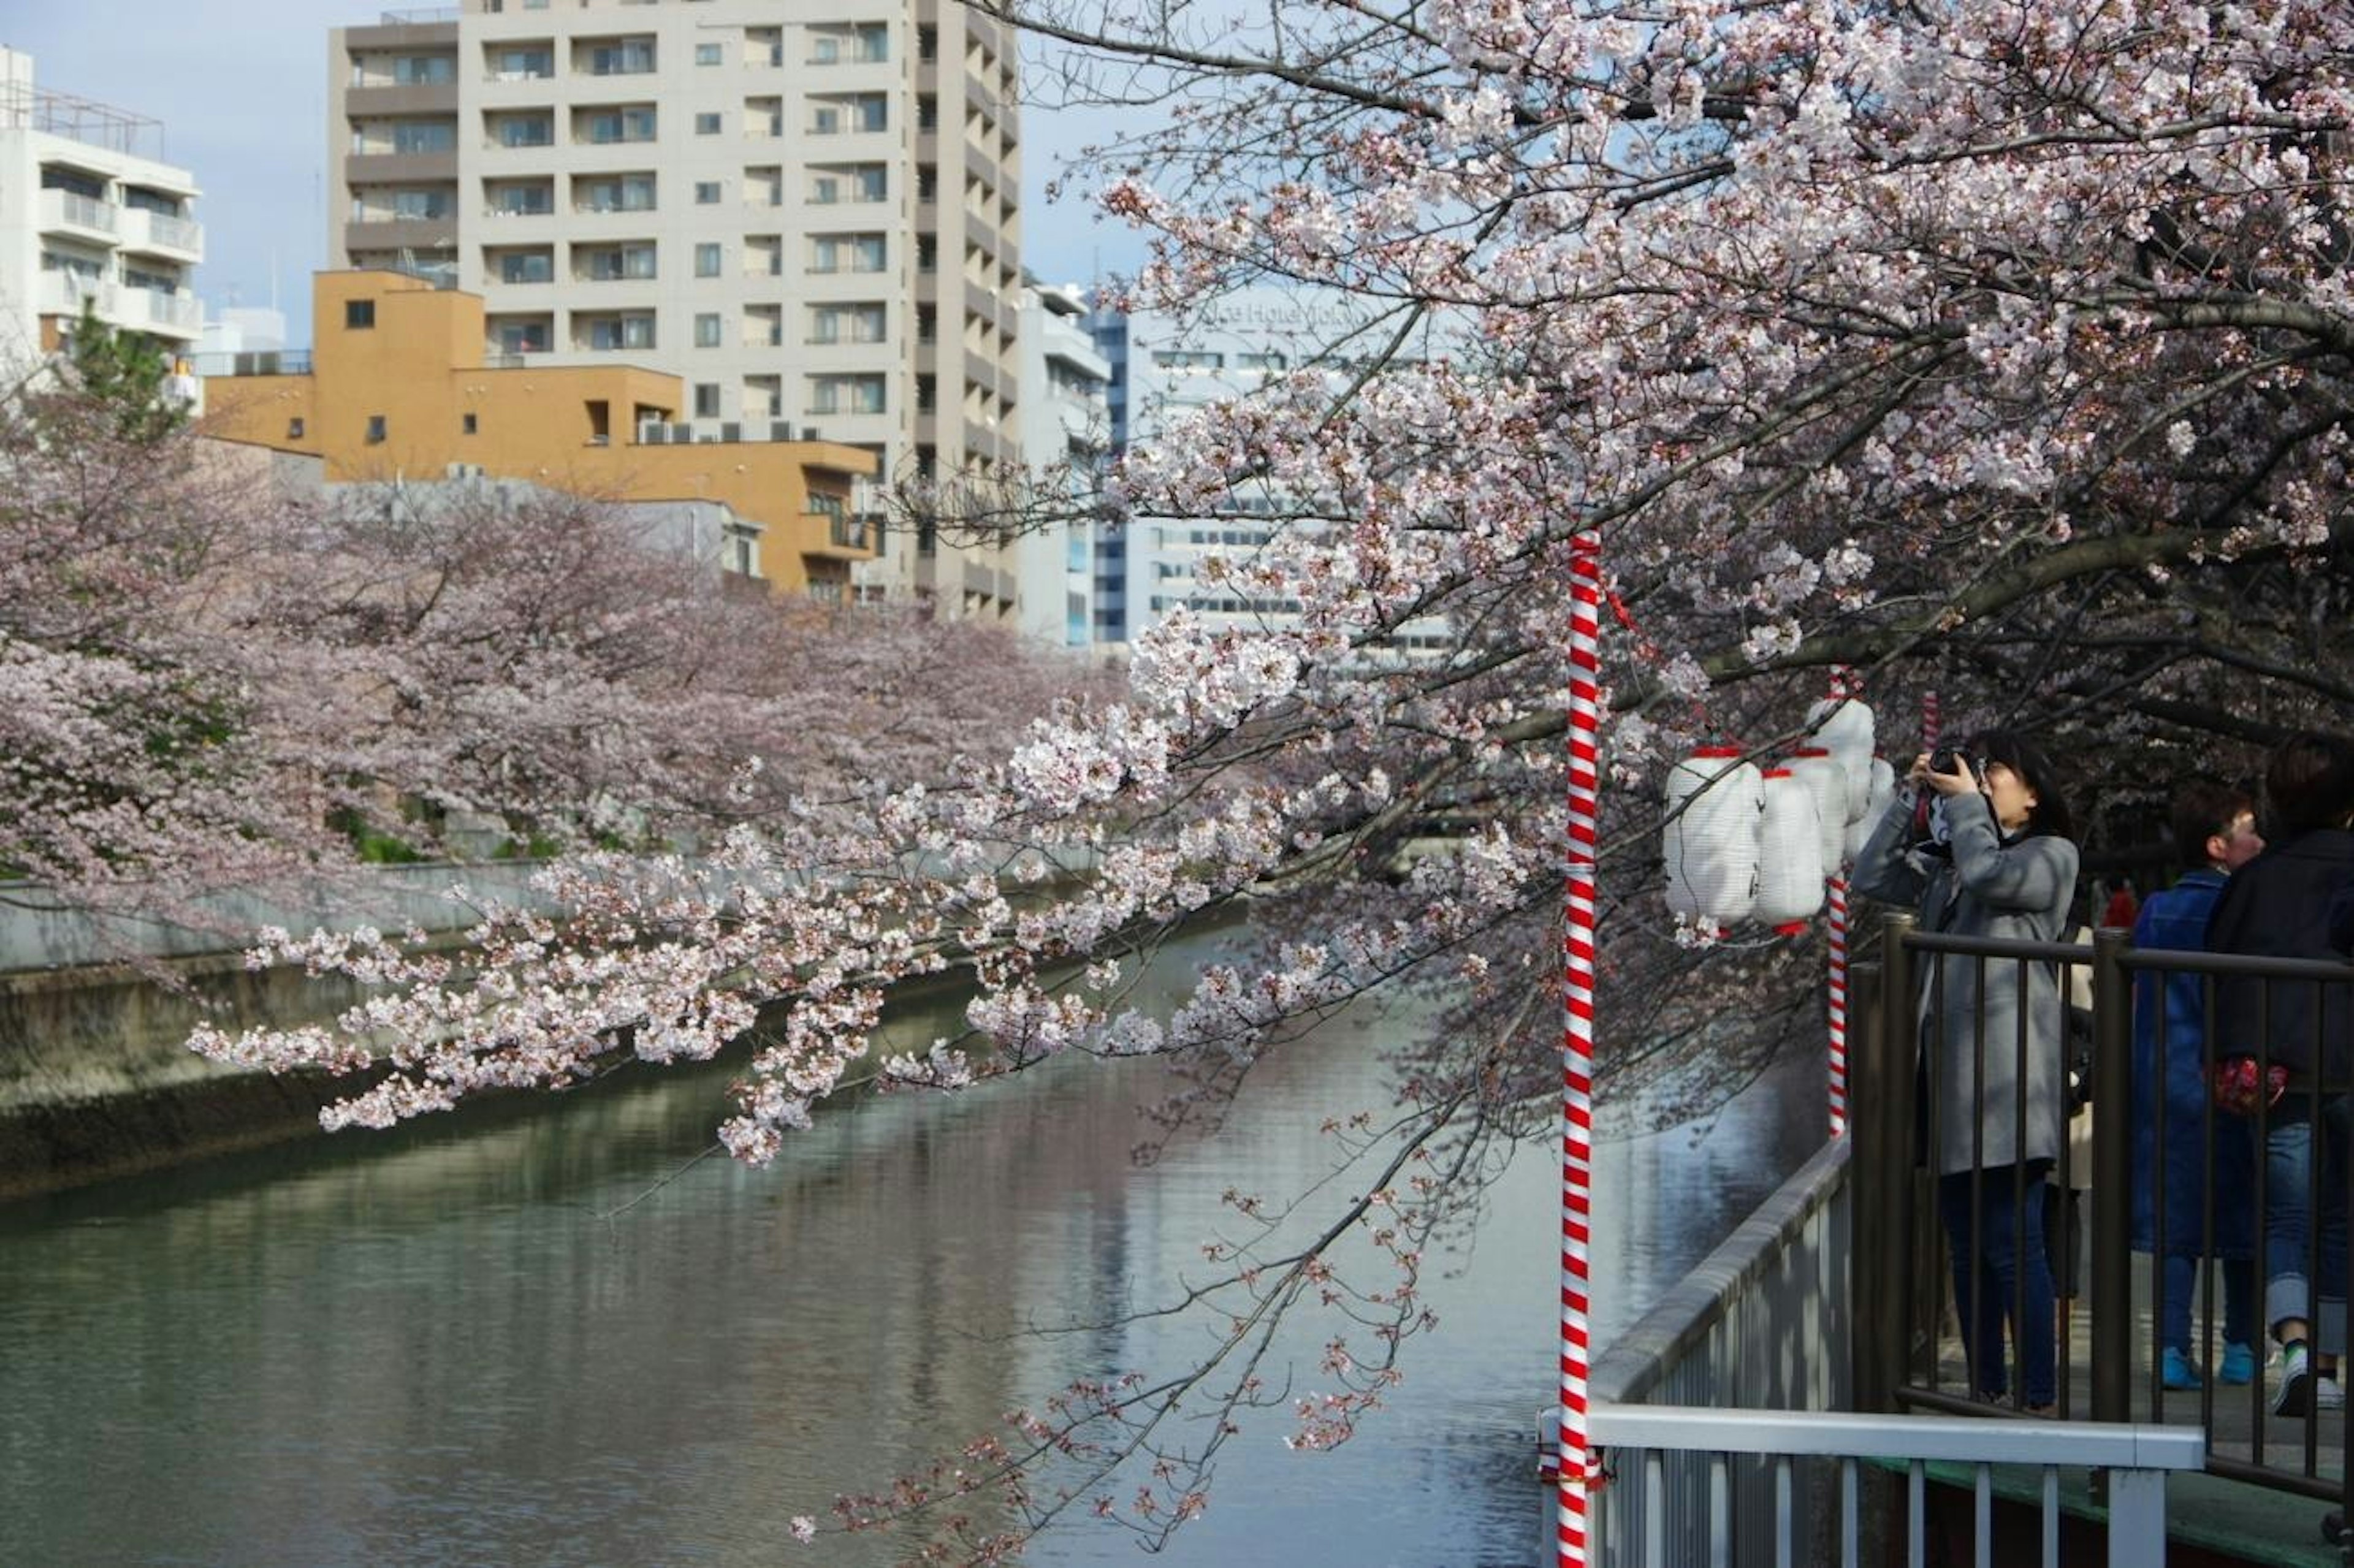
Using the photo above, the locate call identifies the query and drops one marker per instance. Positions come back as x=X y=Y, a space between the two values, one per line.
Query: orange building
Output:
x=401 y=386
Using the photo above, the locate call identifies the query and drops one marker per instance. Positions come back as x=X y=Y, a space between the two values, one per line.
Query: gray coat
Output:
x=2019 y=890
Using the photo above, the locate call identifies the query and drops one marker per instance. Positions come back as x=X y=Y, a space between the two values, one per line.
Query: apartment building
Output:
x=1066 y=431
x=807 y=210
x=89 y=213
x=399 y=389
x=1165 y=368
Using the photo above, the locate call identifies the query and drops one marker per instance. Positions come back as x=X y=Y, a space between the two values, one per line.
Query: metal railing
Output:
x=1644 y=1443
x=1907 y=1354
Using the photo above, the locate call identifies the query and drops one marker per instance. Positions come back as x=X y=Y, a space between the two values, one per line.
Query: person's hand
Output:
x=1961 y=781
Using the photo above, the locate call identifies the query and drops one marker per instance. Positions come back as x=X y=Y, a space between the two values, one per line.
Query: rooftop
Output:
x=24 y=106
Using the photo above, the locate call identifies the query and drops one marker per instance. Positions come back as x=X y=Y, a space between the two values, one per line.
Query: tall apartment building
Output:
x=89 y=213
x=807 y=210
x=1066 y=431
x=1165 y=368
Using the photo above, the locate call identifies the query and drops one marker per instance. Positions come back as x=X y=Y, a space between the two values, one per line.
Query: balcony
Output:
x=390 y=233
x=81 y=216
x=161 y=234
x=378 y=99
x=170 y=312
x=390 y=168
x=63 y=293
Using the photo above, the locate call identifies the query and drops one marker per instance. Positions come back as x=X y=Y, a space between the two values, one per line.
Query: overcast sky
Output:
x=241 y=88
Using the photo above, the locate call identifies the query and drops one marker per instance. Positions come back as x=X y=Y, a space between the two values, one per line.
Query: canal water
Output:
x=546 y=1337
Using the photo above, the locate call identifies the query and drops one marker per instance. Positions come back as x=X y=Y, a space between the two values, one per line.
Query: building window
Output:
x=524 y=130
x=615 y=263
x=706 y=125
x=469 y=424
x=706 y=400
x=616 y=124
x=527 y=266
x=293 y=429
x=1268 y=361
x=424 y=136
x=424 y=70
x=707 y=54
x=861 y=323
x=620 y=193
x=846 y=394
x=707 y=332
x=1187 y=359
x=524 y=63
x=359 y=314
x=706 y=193
x=621 y=332
x=537 y=197
x=630 y=56
x=847 y=253
x=376 y=429
x=927 y=43
x=707 y=260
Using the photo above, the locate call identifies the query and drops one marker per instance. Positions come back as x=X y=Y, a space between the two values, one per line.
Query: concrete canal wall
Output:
x=96 y=1078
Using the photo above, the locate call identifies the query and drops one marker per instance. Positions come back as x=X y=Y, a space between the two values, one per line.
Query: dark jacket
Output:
x=2017 y=889
x=2277 y=906
x=2170 y=1073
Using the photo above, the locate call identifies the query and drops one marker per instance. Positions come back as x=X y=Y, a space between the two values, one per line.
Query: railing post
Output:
x=1874 y=1260
x=1898 y=1025
x=2112 y=1270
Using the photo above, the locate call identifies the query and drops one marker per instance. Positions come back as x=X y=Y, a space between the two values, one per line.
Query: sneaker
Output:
x=2239 y=1365
x=2174 y=1370
x=2303 y=1389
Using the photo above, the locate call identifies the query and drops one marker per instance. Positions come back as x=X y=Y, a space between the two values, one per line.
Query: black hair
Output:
x=2049 y=813
x=2310 y=781
x=2204 y=808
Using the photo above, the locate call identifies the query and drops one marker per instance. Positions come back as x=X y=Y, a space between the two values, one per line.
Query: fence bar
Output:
x=2136 y=1519
x=2051 y=1515
x=2113 y=1177
x=1851 y=1530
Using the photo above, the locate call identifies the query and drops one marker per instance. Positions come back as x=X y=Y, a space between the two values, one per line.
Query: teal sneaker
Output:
x=2238 y=1367
x=2174 y=1370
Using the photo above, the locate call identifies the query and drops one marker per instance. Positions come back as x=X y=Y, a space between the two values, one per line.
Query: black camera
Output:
x=1950 y=760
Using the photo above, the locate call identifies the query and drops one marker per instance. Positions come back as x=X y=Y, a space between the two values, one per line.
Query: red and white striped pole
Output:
x=1578 y=1472
x=1835 y=983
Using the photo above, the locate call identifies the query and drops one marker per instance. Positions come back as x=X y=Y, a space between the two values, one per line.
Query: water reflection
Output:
x=442 y=1348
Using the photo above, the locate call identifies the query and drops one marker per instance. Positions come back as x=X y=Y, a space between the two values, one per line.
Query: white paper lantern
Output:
x=1844 y=727
x=1883 y=789
x=1710 y=842
x=1820 y=772
x=1789 y=853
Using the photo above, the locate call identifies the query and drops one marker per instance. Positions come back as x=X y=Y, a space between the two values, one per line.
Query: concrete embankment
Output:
x=96 y=1078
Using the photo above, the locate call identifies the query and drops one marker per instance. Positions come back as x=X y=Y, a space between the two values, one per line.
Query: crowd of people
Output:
x=2241 y=1081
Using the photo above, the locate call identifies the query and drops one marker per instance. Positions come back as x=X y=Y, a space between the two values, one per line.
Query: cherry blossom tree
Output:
x=1990 y=347
x=211 y=682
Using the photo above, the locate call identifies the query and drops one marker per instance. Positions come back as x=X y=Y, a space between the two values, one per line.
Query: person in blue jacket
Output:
x=2214 y=829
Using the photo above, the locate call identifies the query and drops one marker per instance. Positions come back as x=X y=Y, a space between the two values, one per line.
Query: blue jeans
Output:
x=2180 y=1292
x=2299 y=1171
x=1994 y=1260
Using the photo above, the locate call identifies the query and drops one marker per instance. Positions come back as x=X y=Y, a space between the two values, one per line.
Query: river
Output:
x=543 y=1336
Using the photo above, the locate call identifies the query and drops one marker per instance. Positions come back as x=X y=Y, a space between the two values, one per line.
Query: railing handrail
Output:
x=2192 y=960
x=1846 y=1434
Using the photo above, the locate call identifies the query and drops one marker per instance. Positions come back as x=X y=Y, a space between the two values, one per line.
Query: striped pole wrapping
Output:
x=1578 y=1473
x=1933 y=723
x=1837 y=991
x=1843 y=685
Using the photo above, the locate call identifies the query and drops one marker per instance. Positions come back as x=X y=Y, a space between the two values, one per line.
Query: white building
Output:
x=1164 y=368
x=1066 y=430
x=89 y=213
x=807 y=209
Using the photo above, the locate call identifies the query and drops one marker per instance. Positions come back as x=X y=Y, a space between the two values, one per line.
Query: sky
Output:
x=241 y=88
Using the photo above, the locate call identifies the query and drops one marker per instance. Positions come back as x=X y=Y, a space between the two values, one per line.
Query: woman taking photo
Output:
x=1999 y=863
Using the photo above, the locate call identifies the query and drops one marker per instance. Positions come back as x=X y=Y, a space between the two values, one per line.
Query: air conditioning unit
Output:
x=653 y=435
x=730 y=430
x=781 y=429
x=682 y=434
x=808 y=433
